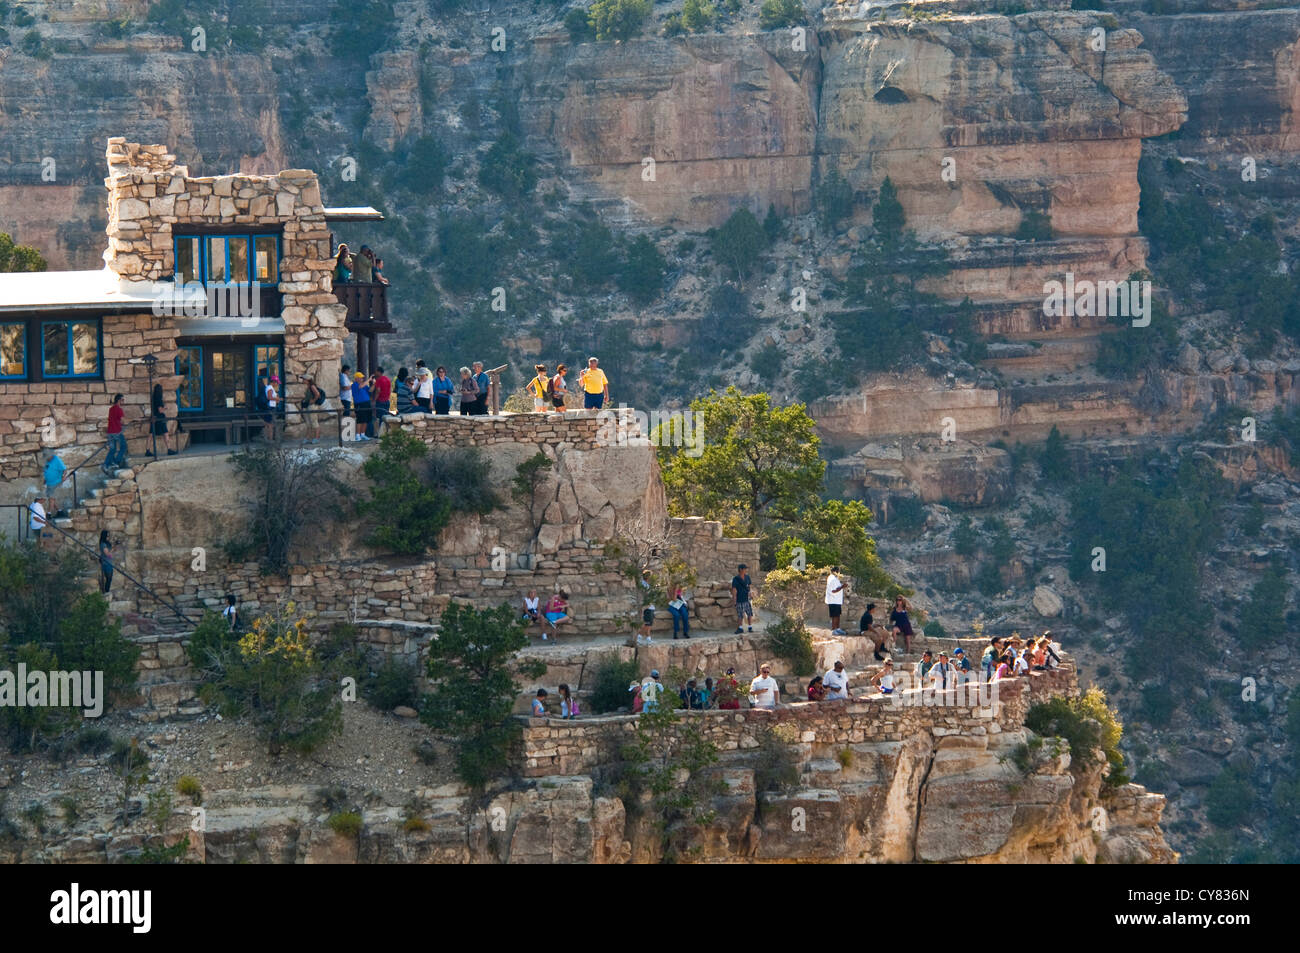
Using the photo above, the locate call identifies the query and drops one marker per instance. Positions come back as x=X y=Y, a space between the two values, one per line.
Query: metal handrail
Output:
x=49 y=524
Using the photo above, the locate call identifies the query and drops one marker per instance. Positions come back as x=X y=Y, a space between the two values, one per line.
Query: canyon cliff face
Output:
x=871 y=782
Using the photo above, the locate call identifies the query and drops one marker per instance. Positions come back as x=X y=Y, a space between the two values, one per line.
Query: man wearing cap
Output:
x=992 y=655
x=763 y=690
x=740 y=593
x=961 y=664
x=595 y=386
x=651 y=687
x=836 y=682
x=835 y=599
x=942 y=675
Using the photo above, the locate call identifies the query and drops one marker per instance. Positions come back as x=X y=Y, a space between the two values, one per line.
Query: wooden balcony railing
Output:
x=367 y=304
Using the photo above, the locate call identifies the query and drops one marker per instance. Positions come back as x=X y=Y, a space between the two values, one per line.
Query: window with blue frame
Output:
x=268 y=359
x=13 y=351
x=70 y=349
x=189 y=368
x=228 y=258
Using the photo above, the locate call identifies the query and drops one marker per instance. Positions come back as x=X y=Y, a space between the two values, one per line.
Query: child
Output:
x=539 y=704
x=568 y=704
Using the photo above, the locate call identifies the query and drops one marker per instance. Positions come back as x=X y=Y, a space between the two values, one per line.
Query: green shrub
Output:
x=466 y=255
x=187 y=785
x=776 y=763
x=619 y=19
x=767 y=363
x=834 y=199
x=1035 y=226
x=738 y=242
x=1053 y=460
x=472 y=665
x=507 y=169
x=698 y=15
x=578 y=22
x=345 y=823
x=1230 y=799
x=394 y=683
x=934 y=630
x=609 y=684
x=641 y=275
x=1088 y=724
x=407 y=512
x=271 y=675
x=775 y=14
x=789 y=639
x=1158 y=705
x=1263 y=617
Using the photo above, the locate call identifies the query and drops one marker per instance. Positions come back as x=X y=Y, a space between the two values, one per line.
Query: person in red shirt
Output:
x=380 y=394
x=116 y=458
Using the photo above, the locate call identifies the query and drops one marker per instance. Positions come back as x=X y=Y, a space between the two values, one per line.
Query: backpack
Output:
x=260 y=401
x=550 y=388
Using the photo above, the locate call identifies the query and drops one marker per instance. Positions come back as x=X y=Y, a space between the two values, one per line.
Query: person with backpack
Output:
x=313 y=399
x=230 y=614
x=468 y=392
x=540 y=386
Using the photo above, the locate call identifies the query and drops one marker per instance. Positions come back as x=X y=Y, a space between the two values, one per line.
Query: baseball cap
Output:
x=654 y=673
x=358 y=376
x=959 y=651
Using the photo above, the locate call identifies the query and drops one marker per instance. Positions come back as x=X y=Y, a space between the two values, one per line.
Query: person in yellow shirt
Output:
x=595 y=386
x=539 y=385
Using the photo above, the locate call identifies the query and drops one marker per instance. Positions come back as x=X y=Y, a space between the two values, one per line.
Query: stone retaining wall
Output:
x=552 y=746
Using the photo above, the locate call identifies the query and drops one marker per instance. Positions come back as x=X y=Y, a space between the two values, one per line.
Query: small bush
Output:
x=1230 y=799
x=1087 y=723
x=187 y=785
x=619 y=19
x=789 y=639
x=776 y=767
x=1035 y=226
x=578 y=23
x=738 y=242
x=776 y=14
x=609 y=686
x=394 y=683
x=345 y=823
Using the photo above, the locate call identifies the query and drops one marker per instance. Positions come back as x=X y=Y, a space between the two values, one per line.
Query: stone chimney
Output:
x=142 y=185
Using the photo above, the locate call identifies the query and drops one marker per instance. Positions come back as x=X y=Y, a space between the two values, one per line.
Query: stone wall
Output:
x=72 y=415
x=553 y=746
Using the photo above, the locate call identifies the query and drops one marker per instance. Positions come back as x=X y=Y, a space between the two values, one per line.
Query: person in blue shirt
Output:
x=54 y=470
x=361 y=401
x=480 y=378
x=443 y=388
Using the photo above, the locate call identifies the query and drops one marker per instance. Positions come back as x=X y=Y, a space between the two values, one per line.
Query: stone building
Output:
x=208 y=281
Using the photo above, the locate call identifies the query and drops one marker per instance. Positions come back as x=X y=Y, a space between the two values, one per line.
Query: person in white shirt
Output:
x=942 y=675
x=836 y=682
x=835 y=599
x=763 y=690
x=38 y=520
x=884 y=679
x=1021 y=666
